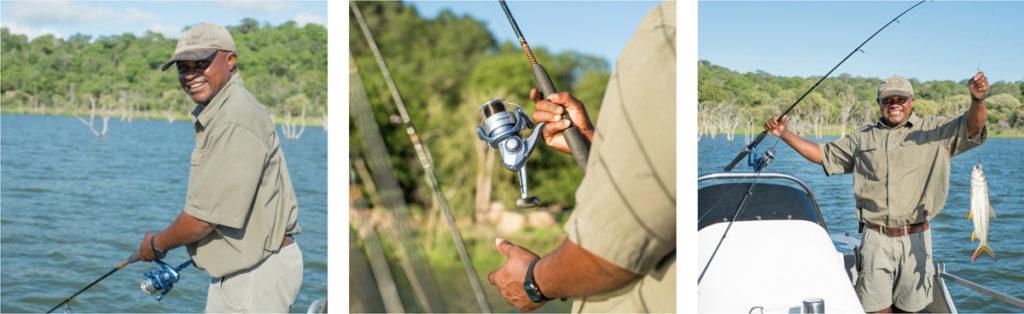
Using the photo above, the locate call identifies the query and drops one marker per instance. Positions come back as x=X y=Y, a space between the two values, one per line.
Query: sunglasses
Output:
x=199 y=65
x=894 y=100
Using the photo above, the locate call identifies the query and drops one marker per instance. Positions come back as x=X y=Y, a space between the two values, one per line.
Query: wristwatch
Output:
x=152 y=245
x=532 y=290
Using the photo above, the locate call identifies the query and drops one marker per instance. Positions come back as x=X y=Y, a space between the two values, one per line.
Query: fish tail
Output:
x=984 y=248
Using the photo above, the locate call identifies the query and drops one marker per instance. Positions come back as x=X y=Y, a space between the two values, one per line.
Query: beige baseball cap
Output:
x=895 y=86
x=200 y=42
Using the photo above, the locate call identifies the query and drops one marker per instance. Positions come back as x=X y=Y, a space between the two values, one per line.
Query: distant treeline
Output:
x=446 y=68
x=285 y=66
x=730 y=101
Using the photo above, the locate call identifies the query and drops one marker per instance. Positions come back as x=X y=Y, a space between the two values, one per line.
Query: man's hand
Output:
x=777 y=126
x=550 y=110
x=509 y=277
x=978 y=86
x=145 y=250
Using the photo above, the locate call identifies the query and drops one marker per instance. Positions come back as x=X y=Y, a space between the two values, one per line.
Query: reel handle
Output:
x=578 y=147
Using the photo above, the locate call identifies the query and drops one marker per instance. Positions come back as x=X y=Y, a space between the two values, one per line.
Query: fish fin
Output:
x=968 y=214
x=972 y=236
x=991 y=211
x=984 y=248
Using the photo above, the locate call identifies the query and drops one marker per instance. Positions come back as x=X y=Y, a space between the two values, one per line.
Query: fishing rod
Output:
x=423 y=153
x=578 y=146
x=759 y=163
x=750 y=147
x=131 y=259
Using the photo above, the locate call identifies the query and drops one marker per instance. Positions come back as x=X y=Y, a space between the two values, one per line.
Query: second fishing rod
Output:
x=750 y=147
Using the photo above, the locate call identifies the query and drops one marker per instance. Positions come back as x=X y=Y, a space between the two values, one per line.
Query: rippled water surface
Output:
x=74 y=205
x=951 y=243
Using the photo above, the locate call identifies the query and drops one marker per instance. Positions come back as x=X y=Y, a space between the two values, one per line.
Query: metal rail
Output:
x=980 y=288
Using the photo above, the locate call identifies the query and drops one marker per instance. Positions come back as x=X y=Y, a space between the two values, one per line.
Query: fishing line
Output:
x=423 y=153
x=984 y=44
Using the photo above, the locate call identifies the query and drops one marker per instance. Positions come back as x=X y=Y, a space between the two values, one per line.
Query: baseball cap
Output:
x=200 y=42
x=895 y=86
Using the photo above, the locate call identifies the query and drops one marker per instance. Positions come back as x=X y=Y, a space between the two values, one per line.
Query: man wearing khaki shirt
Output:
x=900 y=167
x=240 y=212
x=619 y=256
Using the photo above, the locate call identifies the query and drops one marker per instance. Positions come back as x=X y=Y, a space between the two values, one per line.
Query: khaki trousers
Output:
x=269 y=287
x=895 y=271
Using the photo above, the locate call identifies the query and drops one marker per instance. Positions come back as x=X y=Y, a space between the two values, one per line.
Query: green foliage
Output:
x=759 y=95
x=445 y=68
x=284 y=66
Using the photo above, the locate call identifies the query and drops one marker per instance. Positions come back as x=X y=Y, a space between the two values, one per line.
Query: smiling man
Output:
x=240 y=211
x=900 y=167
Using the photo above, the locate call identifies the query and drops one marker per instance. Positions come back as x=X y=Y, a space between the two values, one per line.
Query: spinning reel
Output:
x=501 y=129
x=159 y=281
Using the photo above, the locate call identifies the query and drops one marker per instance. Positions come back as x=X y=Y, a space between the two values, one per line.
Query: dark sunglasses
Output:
x=894 y=100
x=200 y=65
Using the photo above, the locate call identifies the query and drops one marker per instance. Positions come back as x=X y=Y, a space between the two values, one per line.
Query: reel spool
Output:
x=159 y=281
x=502 y=129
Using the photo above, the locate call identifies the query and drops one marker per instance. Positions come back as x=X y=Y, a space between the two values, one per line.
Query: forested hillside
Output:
x=731 y=102
x=285 y=66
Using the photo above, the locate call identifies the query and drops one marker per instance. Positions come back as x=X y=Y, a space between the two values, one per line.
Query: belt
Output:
x=288 y=239
x=898 y=231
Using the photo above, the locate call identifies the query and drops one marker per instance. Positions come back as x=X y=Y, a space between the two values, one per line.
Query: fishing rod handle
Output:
x=131 y=259
x=746 y=151
x=578 y=147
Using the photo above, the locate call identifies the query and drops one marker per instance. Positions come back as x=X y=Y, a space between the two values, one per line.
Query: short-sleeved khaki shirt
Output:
x=626 y=206
x=239 y=181
x=901 y=174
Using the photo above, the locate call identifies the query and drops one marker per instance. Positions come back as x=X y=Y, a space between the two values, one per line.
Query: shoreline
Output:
x=140 y=115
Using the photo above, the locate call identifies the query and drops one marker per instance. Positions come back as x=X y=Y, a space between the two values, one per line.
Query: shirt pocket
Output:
x=916 y=151
x=869 y=160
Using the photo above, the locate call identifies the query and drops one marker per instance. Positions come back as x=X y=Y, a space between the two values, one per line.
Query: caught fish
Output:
x=981 y=212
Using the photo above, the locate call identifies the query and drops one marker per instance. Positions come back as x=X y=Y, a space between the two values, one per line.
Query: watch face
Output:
x=533 y=292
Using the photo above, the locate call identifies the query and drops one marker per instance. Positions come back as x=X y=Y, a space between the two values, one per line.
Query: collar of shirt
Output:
x=203 y=113
x=911 y=122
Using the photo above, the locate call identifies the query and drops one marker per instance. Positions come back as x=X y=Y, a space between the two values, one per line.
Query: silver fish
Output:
x=981 y=212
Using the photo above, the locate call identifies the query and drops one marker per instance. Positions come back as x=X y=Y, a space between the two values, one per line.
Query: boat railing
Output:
x=979 y=287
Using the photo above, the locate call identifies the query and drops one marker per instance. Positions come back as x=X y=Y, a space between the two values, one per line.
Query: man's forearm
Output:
x=571 y=271
x=976 y=116
x=806 y=148
x=184 y=230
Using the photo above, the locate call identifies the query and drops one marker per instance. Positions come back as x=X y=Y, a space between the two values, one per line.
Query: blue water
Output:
x=73 y=205
x=951 y=231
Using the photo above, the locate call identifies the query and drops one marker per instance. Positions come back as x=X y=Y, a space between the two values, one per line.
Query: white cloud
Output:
x=30 y=32
x=167 y=31
x=305 y=18
x=68 y=13
x=257 y=7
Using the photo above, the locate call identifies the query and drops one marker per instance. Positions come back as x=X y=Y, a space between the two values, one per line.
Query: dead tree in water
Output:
x=847 y=102
x=92 y=119
x=292 y=130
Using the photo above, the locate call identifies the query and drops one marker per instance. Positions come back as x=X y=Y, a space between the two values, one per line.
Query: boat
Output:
x=777 y=254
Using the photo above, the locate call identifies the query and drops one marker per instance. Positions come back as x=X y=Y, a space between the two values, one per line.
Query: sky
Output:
x=97 y=18
x=599 y=28
x=938 y=40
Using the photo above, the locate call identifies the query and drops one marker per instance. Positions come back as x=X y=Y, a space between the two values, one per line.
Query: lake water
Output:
x=951 y=235
x=73 y=206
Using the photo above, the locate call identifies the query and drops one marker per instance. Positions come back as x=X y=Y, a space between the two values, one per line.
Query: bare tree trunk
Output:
x=485 y=171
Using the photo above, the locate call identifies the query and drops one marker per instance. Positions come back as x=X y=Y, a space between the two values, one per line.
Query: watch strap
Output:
x=152 y=245
x=532 y=289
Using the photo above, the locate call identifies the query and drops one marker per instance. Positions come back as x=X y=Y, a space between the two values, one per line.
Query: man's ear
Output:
x=232 y=59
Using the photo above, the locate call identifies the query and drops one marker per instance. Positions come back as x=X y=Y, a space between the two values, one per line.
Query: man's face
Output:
x=896 y=109
x=202 y=79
